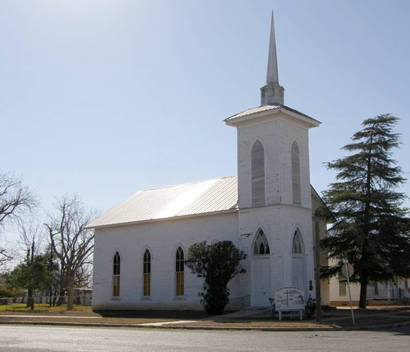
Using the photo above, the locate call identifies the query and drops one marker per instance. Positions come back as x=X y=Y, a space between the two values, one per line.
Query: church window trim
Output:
x=147 y=273
x=260 y=244
x=298 y=247
x=295 y=164
x=116 y=268
x=258 y=174
x=179 y=272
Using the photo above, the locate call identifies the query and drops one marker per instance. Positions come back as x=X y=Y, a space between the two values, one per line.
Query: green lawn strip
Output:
x=331 y=319
x=369 y=316
x=74 y=320
x=44 y=308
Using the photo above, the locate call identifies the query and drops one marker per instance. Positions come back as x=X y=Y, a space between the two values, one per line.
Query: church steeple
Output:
x=272 y=93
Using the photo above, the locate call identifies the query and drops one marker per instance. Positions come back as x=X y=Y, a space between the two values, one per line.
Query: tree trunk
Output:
x=30 y=290
x=70 y=304
x=318 y=308
x=364 y=279
x=363 y=291
x=62 y=284
x=50 y=270
x=70 y=286
x=56 y=297
x=30 y=298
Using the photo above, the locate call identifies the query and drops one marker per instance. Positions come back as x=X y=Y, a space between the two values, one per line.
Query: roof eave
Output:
x=172 y=218
x=321 y=201
x=255 y=116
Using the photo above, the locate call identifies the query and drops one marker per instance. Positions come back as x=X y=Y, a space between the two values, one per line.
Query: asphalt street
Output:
x=42 y=338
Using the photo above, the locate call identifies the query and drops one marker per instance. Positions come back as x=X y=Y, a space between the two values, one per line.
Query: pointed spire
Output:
x=272 y=93
x=272 y=76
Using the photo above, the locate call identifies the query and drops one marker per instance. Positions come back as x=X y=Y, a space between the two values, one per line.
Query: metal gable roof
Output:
x=185 y=200
x=206 y=197
x=265 y=108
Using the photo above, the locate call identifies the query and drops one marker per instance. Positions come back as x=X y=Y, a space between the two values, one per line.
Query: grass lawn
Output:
x=43 y=308
x=59 y=315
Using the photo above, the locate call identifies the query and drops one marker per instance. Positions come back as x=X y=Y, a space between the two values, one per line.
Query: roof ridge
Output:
x=184 y=184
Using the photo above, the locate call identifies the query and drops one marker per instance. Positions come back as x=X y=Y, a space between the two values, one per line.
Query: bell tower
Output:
x=273 y=146
x=274 y=189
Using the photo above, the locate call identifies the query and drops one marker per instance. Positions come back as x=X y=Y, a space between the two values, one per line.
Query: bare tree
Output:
x=30 y=238
x=14 y=200
x=83 y=276
x=4 y=257
x=71 y=242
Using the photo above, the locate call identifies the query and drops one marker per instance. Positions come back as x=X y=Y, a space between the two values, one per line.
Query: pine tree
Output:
x=369 y=224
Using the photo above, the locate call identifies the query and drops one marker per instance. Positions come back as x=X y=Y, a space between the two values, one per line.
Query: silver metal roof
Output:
x=254 y=111
x=264 y=108
x=172 y=202
x=206 y=197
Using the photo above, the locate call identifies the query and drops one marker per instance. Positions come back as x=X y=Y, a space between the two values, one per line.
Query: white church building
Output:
x=267 y=211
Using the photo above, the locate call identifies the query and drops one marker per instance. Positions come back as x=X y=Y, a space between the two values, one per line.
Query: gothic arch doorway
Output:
x=261 y=271
x=298 y=262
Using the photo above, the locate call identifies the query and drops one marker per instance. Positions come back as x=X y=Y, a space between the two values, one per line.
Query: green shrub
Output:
x=217 y=263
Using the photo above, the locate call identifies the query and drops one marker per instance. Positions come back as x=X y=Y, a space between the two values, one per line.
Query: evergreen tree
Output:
x=369 y=224
x=32 y=275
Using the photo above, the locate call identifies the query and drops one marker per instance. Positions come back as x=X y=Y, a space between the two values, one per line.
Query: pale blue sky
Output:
x=102 y=98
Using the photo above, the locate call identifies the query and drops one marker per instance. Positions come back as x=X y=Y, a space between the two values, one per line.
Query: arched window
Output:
x=261 y=245
x=298 y=262
x=116 y=275
x=179 y=269
x=296 y=174
x=258 y=174
x=147 y=273
x=297 y=244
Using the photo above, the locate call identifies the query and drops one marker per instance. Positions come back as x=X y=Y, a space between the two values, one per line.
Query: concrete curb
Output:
x=171 y=327
x=209 y=328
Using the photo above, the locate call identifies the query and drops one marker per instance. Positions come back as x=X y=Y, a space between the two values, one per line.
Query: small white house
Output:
x=398 y=290
x=266 y=211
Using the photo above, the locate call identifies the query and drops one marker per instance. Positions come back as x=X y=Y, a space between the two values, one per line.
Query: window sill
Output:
x=179 y=298
x=261 y=256
x=115 y=299
x=146 y=298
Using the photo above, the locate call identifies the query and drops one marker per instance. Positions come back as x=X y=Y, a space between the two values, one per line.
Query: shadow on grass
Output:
x=386 y=320
x=383 y=320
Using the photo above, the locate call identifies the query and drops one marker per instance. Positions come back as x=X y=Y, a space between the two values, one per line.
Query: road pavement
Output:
x=16 y=338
